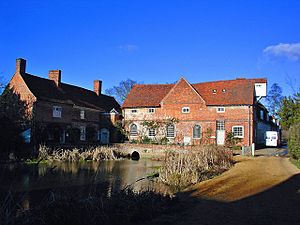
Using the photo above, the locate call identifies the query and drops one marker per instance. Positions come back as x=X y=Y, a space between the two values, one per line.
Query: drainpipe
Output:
x=249 y=134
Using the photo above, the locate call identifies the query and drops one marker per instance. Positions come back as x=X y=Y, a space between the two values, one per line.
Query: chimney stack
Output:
x=20 y=66
x=55 y=75
x=97 y=87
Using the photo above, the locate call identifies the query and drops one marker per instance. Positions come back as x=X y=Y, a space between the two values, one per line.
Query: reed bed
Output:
x=72 y=155
x=124 y=207
x=181 y=169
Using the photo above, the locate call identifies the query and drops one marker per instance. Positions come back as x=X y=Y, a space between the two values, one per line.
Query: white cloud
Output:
x=290 y=51
x=129 y=47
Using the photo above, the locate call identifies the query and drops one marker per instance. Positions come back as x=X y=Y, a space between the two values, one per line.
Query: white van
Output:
x=272 y=138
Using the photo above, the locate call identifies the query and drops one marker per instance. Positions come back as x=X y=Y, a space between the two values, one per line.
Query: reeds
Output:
x=123 y=207
x=91 y=153
x=182 y=169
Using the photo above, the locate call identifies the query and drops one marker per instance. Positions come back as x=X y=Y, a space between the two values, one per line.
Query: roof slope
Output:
x=237 y=92
x=47 y=90
x=149 y=95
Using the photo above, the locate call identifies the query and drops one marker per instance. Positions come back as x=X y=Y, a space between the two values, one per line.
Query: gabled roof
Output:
x=227 y=92
x=45 y=89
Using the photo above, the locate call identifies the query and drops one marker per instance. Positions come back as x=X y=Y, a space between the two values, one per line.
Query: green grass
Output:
x=296 y=162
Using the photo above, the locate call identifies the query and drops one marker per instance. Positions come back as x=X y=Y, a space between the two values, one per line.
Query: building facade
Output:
x=64 y=113
x=201 y=113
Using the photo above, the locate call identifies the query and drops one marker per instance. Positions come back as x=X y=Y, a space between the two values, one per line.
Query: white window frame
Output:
x=133 y=111
x=200 y=134
x=220 y=109
x=151 y=110
x=56 y=111
x=151 y=132
x=82 y=114
x=82 y=136
x=185 y=109
x=167 y=131
x=238 y=136
x=131 y=132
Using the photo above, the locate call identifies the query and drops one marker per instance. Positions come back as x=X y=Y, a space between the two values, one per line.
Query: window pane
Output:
x=196 y=131
x=220 y=125
x=151 y=132
x=170 y=131
x=133 y=130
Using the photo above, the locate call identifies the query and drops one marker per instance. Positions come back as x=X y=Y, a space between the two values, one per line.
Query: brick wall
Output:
x=183 y=95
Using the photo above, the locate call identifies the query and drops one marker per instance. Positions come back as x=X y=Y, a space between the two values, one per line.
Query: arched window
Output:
x=170 y=131
x=133 y=130
x=197 y=131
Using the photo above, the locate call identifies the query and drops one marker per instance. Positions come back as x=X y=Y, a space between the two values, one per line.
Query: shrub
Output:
x=294 y=141
x=185 y=168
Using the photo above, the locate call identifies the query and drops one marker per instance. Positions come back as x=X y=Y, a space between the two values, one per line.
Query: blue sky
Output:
x=152 y=41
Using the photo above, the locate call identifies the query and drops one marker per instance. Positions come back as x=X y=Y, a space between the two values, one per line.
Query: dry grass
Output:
x=183 y=169
x=91 y=153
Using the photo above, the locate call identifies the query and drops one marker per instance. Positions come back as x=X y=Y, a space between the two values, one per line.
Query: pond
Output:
x=30 y=184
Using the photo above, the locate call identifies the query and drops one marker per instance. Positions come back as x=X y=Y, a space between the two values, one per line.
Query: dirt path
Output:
x=261 y=190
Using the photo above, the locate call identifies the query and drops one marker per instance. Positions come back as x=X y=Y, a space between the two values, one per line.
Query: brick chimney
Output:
x=20 y=65
x=97 y=87
x=55 y=75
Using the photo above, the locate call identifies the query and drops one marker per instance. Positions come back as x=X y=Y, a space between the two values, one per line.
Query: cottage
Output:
x=65 y=113
x=200 y=113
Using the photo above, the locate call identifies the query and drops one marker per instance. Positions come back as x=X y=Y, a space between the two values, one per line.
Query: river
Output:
x=31 y=184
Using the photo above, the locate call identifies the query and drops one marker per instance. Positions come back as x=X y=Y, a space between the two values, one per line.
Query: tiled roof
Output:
x=227 y=92
x=47 y=90
x=149 y=95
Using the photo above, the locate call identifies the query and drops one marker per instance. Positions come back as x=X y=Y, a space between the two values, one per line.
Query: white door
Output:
x=220 y=137
x=104 y=136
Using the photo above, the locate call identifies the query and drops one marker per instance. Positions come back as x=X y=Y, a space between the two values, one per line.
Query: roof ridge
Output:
x=245 y=79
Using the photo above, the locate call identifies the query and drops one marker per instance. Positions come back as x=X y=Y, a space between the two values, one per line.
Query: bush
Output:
x=185 y=168
x=294 y=141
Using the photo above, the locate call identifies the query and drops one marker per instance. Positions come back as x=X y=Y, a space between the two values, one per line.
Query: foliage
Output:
x=231 y=141
x=185 y=168
x=274 y=99
x=294 y=141
x=290 y=111
x=207 y=134
x=120 y=92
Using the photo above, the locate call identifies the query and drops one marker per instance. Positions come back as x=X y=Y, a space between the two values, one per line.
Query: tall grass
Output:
x=72 y=155
x=182 y=169
x=124 y=207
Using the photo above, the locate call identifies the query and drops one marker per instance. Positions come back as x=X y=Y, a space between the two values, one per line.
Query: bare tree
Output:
x=121 y=91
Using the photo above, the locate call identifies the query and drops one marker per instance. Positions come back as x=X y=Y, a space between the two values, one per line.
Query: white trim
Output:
x=238 y=136
x=133 y=135
x=174 y=132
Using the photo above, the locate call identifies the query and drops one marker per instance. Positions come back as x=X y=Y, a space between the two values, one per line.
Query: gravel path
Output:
x=260 y=190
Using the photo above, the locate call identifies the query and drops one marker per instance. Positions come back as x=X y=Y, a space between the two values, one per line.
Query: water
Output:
x=31 y=184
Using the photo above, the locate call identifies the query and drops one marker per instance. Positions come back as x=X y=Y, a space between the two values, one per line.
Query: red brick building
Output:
x=198 y=113
x=66 y=113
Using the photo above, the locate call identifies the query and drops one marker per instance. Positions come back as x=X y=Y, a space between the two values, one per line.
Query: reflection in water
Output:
x=34 y=182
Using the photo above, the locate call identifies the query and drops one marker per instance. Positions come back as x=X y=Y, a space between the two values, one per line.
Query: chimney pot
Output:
x=97 y=87
x=20 y=65
x=55 y=75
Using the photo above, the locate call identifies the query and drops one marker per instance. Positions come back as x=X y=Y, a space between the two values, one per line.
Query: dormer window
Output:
x=185 y=110
x=214 y=91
